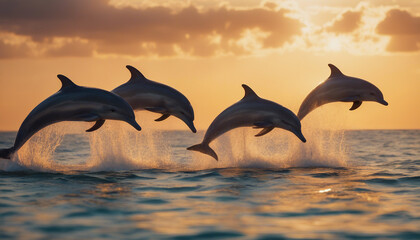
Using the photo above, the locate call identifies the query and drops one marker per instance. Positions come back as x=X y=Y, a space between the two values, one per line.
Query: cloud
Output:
x=69 y=48
x=13 y=50
x=270 y=5
x=105 y=29
x=348 y=22
x=404 y=30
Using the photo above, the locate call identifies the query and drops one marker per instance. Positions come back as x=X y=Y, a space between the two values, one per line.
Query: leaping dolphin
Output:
x=340 y=88
x=251 y=110
x=72 y=103
x=144 y=94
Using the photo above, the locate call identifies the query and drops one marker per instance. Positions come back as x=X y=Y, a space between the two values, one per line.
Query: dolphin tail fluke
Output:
x=6 y=153
x=204 y=148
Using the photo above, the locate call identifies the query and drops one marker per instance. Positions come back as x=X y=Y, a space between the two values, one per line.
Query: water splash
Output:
x=325 y=146
x=119 y=147
x=38 y=153
x=280 y=149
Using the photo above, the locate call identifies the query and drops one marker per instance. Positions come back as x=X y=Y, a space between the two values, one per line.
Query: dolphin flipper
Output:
x=204 y=148
x=97 y=125
x=355 y=105
x=163 y=117
x=264 y=131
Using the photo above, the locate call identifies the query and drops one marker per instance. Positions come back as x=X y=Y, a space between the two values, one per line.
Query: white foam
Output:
x=119 y=147
x=325 y=146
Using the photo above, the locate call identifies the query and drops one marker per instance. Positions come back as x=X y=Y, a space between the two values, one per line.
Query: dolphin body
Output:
x=144 y=94
x=72 y=103
x=251 y=110
x=340 y=88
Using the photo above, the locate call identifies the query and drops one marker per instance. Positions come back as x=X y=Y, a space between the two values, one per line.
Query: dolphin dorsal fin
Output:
x=249 y=92
x=136 y=75
x=335 y=72
x=65 y=81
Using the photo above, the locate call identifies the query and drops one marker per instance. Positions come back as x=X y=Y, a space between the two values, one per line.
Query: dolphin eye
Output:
x=373 y=94
x=113 y=110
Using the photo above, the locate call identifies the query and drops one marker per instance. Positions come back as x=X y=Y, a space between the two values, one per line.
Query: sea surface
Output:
x=122 y=184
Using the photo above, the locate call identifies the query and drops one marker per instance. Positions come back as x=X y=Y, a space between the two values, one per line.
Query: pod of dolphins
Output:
x=77 y=103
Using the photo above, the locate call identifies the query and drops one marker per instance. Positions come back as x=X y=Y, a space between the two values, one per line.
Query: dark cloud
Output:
x=153 y=30
x=346 y=23
x=404 y=30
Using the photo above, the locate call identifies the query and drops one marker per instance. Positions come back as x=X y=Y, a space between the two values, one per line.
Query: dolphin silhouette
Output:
x=251 y=110
x=144 y=94
x=340 y=88
x=72 y=103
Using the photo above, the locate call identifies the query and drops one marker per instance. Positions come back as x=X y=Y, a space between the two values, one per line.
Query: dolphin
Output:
x=340 y=88
x=72 y=103
x=144 y=94
x=251 y=110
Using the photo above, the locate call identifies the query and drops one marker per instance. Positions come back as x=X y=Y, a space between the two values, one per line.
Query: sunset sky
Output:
x=206 y=49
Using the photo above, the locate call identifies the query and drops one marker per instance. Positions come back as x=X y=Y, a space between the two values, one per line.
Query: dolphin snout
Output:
x=189 y=122
x=383 y=102
x=300 y=135
x=133 y=123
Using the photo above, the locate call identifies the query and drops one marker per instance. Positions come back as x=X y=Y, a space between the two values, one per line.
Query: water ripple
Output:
x=261 y=188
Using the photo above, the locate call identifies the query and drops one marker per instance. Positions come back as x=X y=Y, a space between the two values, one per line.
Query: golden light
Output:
x=334 y=44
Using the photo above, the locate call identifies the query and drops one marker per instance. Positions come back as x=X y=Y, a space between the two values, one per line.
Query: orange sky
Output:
x=206 y=50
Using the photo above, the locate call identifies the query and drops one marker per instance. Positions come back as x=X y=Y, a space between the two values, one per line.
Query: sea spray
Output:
x=38 y=152
x=43 y=151
x=325 y=146
x=119 y=147
x=326 y=150
x=239 y=148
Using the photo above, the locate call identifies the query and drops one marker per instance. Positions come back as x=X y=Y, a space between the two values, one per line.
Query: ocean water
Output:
x=119 y=184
